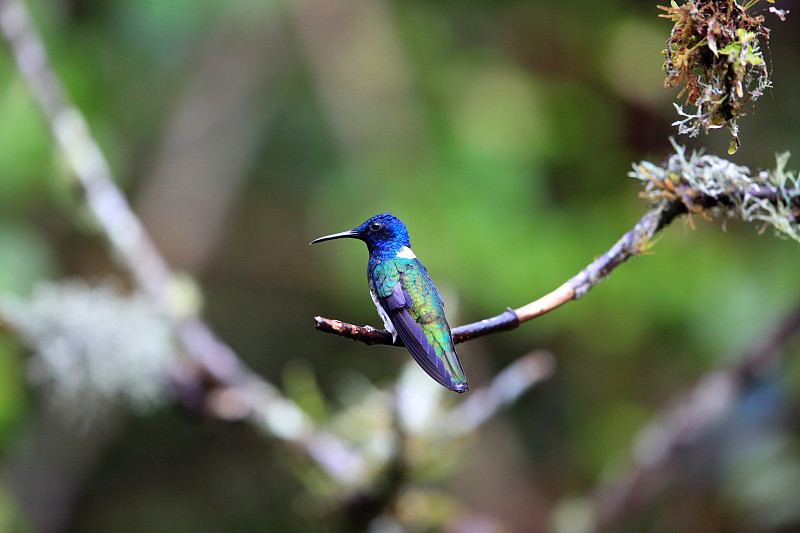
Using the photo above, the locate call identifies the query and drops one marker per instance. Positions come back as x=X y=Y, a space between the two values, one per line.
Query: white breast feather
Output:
x=384 y=316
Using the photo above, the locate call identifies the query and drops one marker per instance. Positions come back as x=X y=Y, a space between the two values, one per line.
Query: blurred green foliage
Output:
x=501 y=133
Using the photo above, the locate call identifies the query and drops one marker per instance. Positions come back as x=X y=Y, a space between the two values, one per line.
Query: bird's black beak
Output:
x=353 y=234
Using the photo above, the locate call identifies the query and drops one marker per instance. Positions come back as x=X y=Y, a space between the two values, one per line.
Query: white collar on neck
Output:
x=405 y=253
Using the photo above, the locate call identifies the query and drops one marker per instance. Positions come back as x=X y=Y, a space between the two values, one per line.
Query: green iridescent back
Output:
x=426 y=308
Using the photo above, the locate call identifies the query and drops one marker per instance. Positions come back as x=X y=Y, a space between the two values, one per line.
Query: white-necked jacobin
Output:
x=406 y=299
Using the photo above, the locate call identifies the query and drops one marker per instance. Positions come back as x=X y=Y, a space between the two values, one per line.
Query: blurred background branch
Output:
x=667 y=444
x=134 y=249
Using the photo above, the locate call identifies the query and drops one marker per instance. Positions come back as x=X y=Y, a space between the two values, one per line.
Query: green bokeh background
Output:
x=501 y=133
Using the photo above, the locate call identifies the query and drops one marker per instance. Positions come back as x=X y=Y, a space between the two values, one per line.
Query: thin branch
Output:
x=630 y=244
x=370 y=336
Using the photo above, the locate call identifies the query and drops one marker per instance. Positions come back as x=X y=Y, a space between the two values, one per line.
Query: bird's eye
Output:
x=375 y=226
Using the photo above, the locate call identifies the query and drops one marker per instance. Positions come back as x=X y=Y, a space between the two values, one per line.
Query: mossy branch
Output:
x=697 y=184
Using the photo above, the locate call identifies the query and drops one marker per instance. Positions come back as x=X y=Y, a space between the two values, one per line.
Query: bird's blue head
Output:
x=383 y=233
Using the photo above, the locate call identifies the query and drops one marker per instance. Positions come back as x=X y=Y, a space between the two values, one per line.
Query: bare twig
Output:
x=630 y=244
x=369 y=335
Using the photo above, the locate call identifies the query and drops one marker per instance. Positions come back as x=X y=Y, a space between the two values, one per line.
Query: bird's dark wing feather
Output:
x=397 y=305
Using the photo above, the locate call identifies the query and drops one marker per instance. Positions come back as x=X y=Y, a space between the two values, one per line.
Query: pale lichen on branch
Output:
x=714 y=187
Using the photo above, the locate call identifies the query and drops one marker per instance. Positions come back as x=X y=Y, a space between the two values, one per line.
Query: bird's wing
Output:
x=443 y=367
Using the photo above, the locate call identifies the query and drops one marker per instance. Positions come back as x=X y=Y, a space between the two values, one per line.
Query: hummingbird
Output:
x=406 y=298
